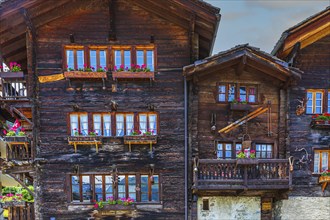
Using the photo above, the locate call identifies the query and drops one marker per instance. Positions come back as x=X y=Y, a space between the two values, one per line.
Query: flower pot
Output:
x=12 y=75
x=84 y=138
x=118 y=207
x=16 y=139
x=247 y=161
x=13 y=204
x=133 y=75
x=140 y=139
x=85 y=75
x=239 y=107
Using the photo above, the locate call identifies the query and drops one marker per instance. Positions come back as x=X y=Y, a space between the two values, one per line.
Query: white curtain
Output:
x=119 y=125
x=129 y=124
x=143 y=123
x=107 y=125
x=84 y=124
x=97 y=124
x=74 y=124
x=153 y=124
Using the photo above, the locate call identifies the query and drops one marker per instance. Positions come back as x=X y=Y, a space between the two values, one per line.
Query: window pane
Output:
x=155 y=189
x=127 y=58
x=316 y=162
x=84 y=124
x=132 y=187
x=103 y=58
x=92 y=55
x=98 y=188
x=318 y=95
x=108 y=187
x=150 y=60
x=231 y=92
x=121 y=186
x=242 y=93
x=325 y=159
x=129 y=124
x=80 y=59
x=140 y=57
x=222 y=97
x=153 y=124
x=97 y=124
x=143 y=123
x=144 y=188
x=219 y=154
x=238 y=147
x=117 y=58
x=119 y=125
x=86 y=188
x=222 y=89
x=75 y=188
x=107 y=125
x=70 y=59
x=74 y=124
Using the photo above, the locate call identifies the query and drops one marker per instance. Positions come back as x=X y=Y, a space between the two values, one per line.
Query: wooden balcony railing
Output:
x=18 y=148
x=260 y=174
x=14 y=89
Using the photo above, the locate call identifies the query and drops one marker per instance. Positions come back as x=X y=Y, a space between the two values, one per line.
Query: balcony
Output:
x=13 y=86
x=228 y=176
x=18 y=148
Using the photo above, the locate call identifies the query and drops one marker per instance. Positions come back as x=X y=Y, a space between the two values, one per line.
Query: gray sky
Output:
x=260 y=22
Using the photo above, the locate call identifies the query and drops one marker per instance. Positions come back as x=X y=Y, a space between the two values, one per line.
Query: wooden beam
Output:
x=112 y=17
x=240 y=67
x=13 y=109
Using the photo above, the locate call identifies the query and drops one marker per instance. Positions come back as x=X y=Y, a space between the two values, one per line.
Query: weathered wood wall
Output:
x=314 y=61
x=90 y=27
x=203 y=104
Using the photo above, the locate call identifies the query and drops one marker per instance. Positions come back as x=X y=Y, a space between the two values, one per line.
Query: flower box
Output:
x=239 y=107
x=85 y=75
x=12 y=75
x=133 y=75
x=320 y=124
x=14 y=204
x=16 y=139
x=108 y=207
x=84 y=138
x=247 y=161
x=140 y=139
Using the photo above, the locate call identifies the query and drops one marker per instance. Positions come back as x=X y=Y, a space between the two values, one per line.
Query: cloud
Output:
x=285 y=4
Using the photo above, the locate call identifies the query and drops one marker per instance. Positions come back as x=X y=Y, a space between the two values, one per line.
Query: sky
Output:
x=260 y=23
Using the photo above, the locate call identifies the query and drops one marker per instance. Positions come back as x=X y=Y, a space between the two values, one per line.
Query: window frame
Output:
x=75 y=48
x=261 y=143
x=145 y=58
x=237 y=86
x=323 y=106
x=70 y=131
x=233 y=148
x=319 y=151
x=102 y=123
x=114 y=189
x=98 y=49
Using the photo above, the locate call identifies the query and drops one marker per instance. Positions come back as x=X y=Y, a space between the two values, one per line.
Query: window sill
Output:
x=85 y=75
x=12 y=75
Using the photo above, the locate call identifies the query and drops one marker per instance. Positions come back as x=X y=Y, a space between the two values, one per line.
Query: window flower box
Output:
x=321 y=121
x=85 y=75
x=85 y=140
x=21 y=139
x=133 y=75
x=140 y=139
x=239 y=107
x=247 y=161
x=12 y=75
x=13 y=204
x=108 y=207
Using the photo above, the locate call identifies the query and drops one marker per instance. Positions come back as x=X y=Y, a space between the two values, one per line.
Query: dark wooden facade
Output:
x=178 y=32
x=305 y=47
x=269 y=176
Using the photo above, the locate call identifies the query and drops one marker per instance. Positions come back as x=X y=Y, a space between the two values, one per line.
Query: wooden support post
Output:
x=13 y=109
x=112 y=28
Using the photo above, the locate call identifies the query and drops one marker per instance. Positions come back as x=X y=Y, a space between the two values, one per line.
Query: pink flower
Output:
x=4 y=132
x=96 y=205
x=137 y=67
x=122 y=66
x=115 y=68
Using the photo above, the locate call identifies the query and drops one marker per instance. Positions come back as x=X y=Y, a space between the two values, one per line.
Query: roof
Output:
x=243 y=57
x=306 y=32
x=193 y=15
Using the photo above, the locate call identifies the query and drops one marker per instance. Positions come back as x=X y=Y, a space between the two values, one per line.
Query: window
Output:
x=145 y=57
x=315 y=102
x=122 y=56
x=321 y=160
x=81 y=188
x=227 y=150
x=149 y=188
x=102 y=124
x=264 y=151
x=79 y=124
x=227 y=92
x=75 y=57
x=148 y=122
x=97 y=57
x=102 y=187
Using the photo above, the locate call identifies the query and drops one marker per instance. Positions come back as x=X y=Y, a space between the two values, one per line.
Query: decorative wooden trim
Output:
x=85 y=75
x=324 y=180
x=133 y=75
x=12 y=75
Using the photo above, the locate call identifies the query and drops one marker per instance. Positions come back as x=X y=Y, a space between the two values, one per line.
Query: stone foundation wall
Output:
x=304 y=208
x=228 y=208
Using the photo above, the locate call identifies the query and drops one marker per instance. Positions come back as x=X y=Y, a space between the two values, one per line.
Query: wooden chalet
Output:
x=113 y=131
x=306 y=46
x=238 y=100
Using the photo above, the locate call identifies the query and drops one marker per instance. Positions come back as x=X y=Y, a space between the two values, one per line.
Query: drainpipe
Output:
x=185 y=150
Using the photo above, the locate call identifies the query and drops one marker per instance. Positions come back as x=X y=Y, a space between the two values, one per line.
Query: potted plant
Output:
x=134 y=72
x=323 y=119
x=246 y=156
x=115 y=204
x=88 y=72
x=138 y=137
x=239 y=105
x=16 y=196
x=15 y=133
x=14 y=72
